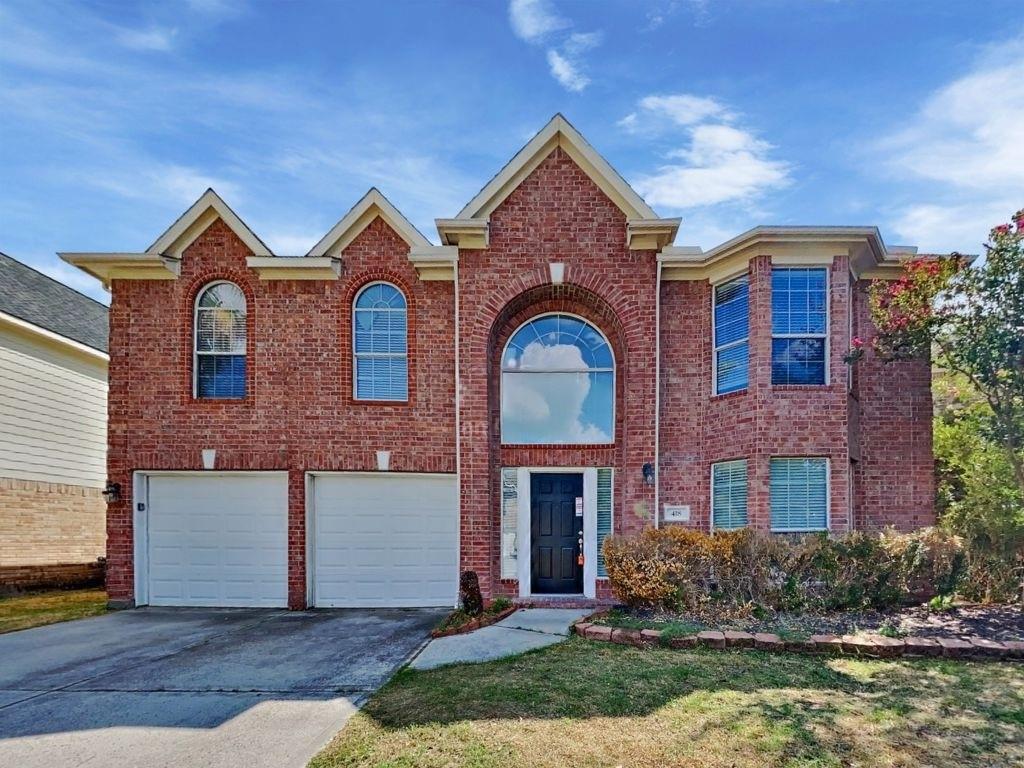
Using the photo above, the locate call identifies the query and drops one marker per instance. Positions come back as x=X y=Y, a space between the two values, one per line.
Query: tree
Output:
x=973 y=318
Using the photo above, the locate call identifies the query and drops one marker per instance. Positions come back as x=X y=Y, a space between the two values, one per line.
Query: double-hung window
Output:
x=729 y=494
x=380 y=346
x=218 y=361
x=799 y=494
x=731 y=335
x=799 y=325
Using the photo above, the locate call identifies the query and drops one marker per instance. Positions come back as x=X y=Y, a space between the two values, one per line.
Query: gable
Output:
x=193 y=222
x=371 y=206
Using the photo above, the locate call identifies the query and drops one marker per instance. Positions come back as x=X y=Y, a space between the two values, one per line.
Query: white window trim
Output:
x=827 y=335
x=715 y=349
x=379 y=355
x=711 y=517
x=209 y=353
x=611 y=521
x=589 y=529
x=828 y=498
x=502 y=372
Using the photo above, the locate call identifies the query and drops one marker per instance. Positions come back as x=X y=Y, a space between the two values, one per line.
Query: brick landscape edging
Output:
x=875 y=646
x=478 y=623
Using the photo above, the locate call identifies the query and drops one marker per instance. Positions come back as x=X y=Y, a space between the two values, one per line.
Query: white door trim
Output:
x=589 y=527
x=140 y=517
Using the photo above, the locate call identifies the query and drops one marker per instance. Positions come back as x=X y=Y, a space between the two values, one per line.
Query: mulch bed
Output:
x=484 y=620
x=995 y=622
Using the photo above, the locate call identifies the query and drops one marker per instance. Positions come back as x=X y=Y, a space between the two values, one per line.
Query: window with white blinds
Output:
x=729 y=494
x=509 y=523
x=218 y=365
x=380 y=343
x=799 y=494
x=730 y=335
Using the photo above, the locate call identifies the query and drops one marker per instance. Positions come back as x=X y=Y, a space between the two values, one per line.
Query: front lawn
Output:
x=582 y=703
x=38 y=608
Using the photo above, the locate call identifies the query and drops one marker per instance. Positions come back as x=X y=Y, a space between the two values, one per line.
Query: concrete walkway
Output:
x=525 y=630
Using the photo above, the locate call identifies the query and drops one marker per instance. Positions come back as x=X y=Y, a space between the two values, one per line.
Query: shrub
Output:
x=676 y=568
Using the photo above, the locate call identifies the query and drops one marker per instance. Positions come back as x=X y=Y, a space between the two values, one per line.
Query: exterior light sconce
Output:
x=111 y=492
x=648 y=470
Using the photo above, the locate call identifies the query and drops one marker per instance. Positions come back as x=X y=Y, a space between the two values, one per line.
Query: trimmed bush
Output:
x=681 y=569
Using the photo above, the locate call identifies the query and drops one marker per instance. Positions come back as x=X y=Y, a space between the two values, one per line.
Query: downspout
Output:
x=458 y=417
x=657 y=398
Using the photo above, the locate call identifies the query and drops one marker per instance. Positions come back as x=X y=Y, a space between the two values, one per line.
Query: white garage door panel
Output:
x=218 y=540
x=385 y=540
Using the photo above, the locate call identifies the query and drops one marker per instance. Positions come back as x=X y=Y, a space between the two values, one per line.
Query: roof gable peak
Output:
x=370 y=206
x=193 y=222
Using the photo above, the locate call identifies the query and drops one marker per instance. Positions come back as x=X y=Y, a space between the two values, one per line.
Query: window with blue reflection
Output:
x=799 y=325
x=731 y=335
x=380 y=344
x=218 y=362
x=557 y=384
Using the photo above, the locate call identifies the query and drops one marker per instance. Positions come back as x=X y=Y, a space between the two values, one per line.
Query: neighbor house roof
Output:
x=32 y=297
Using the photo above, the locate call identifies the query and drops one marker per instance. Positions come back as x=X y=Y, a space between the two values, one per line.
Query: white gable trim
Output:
x=191 y=224
x=559 y=132
x=369 y=207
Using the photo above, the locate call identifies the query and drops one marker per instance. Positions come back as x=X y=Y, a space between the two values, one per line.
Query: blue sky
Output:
x=116 y=116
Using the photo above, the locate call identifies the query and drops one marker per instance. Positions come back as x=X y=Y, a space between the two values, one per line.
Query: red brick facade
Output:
x=299 y=414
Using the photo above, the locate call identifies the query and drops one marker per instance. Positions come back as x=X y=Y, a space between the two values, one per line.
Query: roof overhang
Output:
x=295 y=267
x=469 y=229
x=868 y=255
x=52 y=339
x=125 y=266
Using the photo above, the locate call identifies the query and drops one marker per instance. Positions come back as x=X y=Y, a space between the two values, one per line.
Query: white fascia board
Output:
x=435 y=262
x=52 y=337
x=209 y=207
x=106 y=267
x=369 y=206
x=295 y=268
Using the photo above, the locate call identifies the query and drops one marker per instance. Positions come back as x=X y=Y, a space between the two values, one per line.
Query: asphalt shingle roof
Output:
x=35 y=298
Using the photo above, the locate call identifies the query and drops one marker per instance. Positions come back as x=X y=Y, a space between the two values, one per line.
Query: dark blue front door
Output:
x=556 y=532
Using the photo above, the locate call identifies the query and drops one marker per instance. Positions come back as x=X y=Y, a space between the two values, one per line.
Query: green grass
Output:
x=582 y=703
x=39 y=608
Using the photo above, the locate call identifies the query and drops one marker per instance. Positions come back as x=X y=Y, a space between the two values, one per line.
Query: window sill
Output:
x=800 y=387
x=731 y=395
x=222 y=400
x=557 y=446
x=377 y=403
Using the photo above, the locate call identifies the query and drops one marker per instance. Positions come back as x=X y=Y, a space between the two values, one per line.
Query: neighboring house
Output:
x=356 y=426
x=53 y=423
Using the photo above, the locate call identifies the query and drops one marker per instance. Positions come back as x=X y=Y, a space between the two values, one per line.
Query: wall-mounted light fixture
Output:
x=648 y=470
x=112 y=492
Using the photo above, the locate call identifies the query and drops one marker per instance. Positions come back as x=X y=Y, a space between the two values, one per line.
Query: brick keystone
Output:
x=766 y=641
x=626 y=636
x=954 y=648
x=650 y=636
x=1014 y=648
x=711 y=639
x=683 y=641
x=598 y=632
x=827 y=643
x=581 y=627
x=738 y=639
x=988 y=648
x=921 y=646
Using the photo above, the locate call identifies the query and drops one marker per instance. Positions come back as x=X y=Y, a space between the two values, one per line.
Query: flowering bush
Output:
x=676 y=568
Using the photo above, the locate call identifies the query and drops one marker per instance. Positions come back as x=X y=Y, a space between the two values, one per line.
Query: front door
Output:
x=556 y=531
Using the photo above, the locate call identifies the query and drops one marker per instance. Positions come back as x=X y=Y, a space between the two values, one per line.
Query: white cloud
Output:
x=161 y=183
x=720 y=163
x=153 y=39
x=966 y=141
x=285 y=243
x=534 y=20
x=566 y=73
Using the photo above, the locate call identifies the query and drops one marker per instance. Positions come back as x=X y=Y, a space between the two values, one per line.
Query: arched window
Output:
x=557 y=384
x=379 y=345
x=218 y=367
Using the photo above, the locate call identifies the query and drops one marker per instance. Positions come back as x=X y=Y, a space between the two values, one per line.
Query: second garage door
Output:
x=385 y=540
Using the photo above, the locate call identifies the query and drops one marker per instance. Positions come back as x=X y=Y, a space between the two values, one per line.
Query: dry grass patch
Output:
x=39 y=608
x=596 y=704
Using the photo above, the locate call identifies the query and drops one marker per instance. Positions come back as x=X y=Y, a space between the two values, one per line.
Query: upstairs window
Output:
x=799 y=325
x=557 y=384
x=380 y=344
x=730 y=335
x=218 y=365
x=799 y=495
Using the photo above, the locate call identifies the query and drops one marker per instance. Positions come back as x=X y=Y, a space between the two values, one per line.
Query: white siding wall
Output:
x=53 y=412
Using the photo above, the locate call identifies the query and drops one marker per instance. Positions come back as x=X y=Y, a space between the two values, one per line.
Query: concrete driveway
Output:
x=188 y=687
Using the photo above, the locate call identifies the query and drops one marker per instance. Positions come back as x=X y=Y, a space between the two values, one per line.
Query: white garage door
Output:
x=388 y=540
x=218 y=540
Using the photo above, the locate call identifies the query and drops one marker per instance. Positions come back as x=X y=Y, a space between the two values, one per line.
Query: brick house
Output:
x=356 y=426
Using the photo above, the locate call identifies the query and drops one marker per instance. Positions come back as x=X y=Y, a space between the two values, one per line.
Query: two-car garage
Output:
x=221 y=539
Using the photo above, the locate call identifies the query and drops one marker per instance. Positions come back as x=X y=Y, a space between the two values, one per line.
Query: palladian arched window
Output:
x=557 y=384
x=218 y=365
x=380 y=347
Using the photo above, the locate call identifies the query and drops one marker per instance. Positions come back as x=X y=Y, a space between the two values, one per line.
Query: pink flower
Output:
x=857 y=342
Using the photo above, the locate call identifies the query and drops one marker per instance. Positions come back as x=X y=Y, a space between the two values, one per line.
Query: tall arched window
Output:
x=557 y=384
x=218 y=367
x=379 y=345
